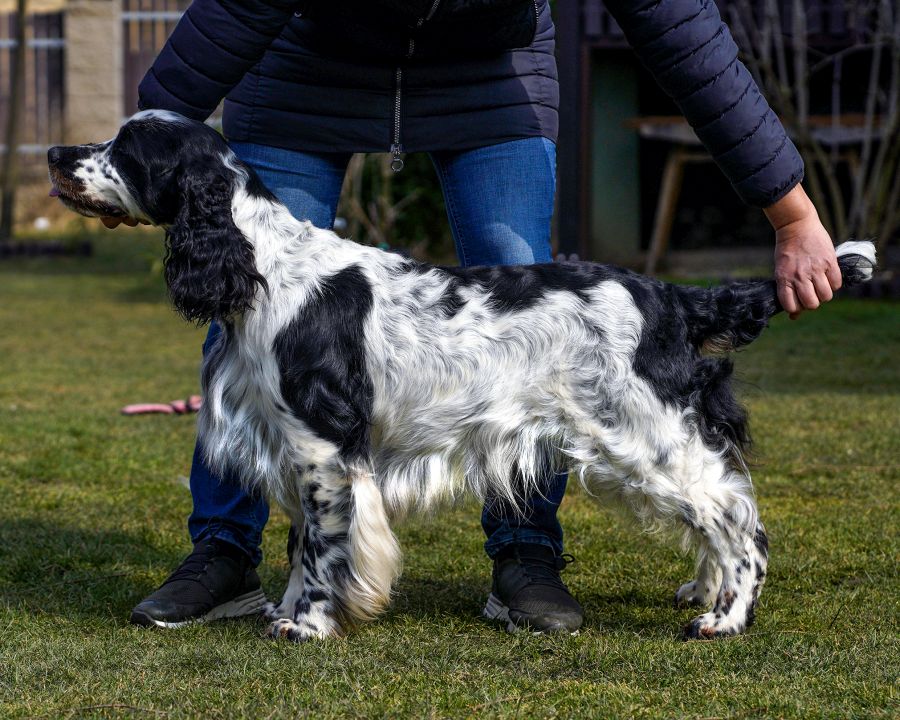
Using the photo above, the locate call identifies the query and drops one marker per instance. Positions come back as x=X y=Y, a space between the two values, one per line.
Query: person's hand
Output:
x=806 y=269
x=112 y=222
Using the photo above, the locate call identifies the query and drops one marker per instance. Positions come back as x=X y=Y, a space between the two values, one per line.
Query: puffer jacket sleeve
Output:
x=691 y=53
x=213 y=46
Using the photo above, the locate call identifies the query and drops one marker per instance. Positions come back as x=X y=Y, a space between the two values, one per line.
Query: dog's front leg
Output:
x=315 y=611
x=349 y=556
x=294 y=591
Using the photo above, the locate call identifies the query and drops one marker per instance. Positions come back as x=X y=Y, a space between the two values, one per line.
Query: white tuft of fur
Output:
x=163 y=116
x=865 y=251
x=375 y=557
x=866 y=248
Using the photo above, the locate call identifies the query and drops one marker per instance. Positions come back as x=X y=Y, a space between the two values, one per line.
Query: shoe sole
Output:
x=250 y=603
x=494 y=609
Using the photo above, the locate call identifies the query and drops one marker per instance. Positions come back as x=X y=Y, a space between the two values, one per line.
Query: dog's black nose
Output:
x=53 y=154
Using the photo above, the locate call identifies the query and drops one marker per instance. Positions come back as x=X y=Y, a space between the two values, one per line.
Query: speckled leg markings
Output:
x=316 y=610
x=742 y=559
x=710 y=496
x=294 y=591
x=702 y=591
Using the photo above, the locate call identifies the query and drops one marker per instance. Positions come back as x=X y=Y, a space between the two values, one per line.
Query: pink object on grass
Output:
x=176 y=407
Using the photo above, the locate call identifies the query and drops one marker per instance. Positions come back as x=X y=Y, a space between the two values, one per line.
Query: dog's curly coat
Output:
x=353 y=384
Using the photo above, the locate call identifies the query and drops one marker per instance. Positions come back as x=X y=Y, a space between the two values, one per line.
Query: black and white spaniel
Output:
x=353 y=385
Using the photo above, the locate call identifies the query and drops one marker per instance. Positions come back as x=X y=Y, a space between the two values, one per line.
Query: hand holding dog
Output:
x=113 y=222
x=806 y=268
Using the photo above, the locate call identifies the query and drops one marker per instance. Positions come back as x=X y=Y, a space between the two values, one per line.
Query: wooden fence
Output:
x=146 y=25
x=43 y=119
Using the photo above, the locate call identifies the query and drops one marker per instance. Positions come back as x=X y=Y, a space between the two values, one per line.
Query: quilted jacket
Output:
x=415 y=75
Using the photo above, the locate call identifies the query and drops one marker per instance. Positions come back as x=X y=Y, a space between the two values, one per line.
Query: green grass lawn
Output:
x=93 y=508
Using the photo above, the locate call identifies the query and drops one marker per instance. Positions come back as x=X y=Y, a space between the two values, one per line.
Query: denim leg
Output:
x=310 y=185
x=500 y=202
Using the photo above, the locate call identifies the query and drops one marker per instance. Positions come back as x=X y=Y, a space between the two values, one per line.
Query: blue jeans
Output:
x=499 y=202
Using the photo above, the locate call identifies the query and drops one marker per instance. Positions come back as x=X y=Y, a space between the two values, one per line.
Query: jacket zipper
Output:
x=431 y=11
x=419 y=23
x=396 y=145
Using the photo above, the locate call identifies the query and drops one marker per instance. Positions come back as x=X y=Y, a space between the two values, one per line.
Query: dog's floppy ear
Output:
x=209 y=265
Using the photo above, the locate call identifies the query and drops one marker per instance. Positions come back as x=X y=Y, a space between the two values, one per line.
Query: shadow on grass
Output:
x=649 y=614
x=631 y=612
x=81 y=574
x=75 y=572
x=425 y=597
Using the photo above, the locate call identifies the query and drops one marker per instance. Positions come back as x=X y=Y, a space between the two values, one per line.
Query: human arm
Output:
x=211 y=48
x=691 y=54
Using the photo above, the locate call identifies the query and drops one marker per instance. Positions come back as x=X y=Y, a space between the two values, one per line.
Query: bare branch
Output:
x=775 y=28
x=836 y=105
x=798 y=47
x=784 y=66
x=889 y=126
x=860 y=179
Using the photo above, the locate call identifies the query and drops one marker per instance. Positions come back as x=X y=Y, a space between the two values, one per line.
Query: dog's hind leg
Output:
x=702 y=591
x=716 y=504
x=741 y=557
x=349 y=558
x=695 y=487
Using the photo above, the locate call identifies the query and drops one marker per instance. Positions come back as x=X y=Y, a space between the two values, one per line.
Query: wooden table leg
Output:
x=665 y=208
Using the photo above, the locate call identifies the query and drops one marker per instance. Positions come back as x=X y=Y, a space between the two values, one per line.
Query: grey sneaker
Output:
x=215 y=581
x=527 y=592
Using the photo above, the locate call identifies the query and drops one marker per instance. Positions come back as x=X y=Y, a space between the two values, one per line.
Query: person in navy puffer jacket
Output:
x=473 y=83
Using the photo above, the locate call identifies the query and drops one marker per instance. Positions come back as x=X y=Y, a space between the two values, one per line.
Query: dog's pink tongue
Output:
x=54 y=191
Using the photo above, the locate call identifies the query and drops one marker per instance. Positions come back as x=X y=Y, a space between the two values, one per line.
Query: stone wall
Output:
x=94 y=72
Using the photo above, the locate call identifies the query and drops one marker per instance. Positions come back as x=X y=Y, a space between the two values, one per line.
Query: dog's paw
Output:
x=690 y=595
x=301 y=630
x=287 y=629
x=271 y=612
x=709 y=627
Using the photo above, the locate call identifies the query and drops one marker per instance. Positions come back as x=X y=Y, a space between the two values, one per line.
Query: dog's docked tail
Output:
x=725 y=318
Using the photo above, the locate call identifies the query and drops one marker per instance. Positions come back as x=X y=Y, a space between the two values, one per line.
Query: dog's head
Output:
x=178 y=173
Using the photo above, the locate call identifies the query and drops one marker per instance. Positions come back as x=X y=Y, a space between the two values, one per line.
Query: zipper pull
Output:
x=396 y=160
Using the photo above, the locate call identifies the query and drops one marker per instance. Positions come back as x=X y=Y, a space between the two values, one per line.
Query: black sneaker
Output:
x=527 y=592
x=215 y=581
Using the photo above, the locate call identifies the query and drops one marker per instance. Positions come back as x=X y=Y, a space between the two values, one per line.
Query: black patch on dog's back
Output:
x=514 y=288
x=321 y=357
